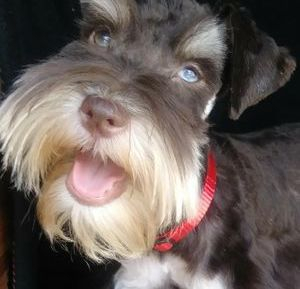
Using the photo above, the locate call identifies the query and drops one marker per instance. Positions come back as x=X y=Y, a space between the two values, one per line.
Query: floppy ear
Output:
x=257 y=66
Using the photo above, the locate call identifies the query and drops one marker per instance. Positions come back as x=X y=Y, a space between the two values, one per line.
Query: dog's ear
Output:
x=256 y=66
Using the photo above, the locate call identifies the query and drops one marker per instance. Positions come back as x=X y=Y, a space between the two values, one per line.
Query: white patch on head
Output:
x=208 y=108
x=163 y=271
x=206 y=40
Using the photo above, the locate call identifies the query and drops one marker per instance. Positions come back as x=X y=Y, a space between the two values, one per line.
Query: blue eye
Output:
x=102 y=38
x=189 y=74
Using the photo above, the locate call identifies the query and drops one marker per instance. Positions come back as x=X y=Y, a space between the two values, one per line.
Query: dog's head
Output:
x=110 y=133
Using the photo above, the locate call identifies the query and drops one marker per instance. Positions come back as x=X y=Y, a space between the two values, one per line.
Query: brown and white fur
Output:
x=118 y=95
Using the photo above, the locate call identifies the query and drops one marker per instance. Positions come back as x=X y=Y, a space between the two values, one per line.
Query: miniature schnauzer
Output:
x=112 y=136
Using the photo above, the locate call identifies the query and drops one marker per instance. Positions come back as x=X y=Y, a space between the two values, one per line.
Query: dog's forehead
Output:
x=184 y=26
x=182 y=13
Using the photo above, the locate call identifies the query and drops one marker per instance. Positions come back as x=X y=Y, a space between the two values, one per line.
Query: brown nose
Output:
x=103 y=116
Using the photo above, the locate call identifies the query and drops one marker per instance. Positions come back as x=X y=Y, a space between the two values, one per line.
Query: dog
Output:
x=112 y=136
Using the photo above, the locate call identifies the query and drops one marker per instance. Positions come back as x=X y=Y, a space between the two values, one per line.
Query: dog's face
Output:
x=110 y=133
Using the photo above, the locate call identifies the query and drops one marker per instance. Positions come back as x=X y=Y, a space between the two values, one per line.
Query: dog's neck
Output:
x=166 y=241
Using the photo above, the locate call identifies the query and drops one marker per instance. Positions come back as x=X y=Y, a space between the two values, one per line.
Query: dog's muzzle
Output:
x=93 y=181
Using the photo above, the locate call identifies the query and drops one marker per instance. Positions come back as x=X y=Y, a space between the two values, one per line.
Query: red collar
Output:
x=166 y=240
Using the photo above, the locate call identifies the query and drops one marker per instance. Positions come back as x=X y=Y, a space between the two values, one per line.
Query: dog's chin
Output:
x=114 y=226
x=95 y=182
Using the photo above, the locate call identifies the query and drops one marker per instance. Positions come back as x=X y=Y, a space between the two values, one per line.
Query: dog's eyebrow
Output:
x=116 y=12
x=204 y=40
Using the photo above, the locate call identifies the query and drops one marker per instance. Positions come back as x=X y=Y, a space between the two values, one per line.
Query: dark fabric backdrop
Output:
x=33 y=29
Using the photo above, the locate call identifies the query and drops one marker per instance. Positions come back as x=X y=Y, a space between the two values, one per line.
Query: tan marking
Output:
x=205 y=40
x=116 y=11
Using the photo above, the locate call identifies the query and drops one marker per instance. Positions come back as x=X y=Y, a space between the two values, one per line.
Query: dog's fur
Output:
x=250 y=236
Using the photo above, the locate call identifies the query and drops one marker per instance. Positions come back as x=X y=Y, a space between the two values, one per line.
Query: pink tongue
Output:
x=93 y=182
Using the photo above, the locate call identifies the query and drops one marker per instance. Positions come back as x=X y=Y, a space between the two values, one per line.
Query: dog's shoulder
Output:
x=286 y=133
x=263 y=167
x=283 y=139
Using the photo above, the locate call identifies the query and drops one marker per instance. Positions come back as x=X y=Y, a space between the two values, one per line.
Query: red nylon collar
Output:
x=166 y=241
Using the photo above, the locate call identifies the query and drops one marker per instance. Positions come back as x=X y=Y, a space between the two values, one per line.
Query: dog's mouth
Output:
x=94 y=182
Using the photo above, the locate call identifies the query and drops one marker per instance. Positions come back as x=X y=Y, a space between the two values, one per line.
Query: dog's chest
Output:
x=168 y=272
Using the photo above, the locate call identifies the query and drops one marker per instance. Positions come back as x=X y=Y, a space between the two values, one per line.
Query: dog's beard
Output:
x=40 y=139
x=157 y=195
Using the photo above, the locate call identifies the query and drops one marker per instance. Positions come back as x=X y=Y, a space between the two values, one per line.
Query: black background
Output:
x=34 y=29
